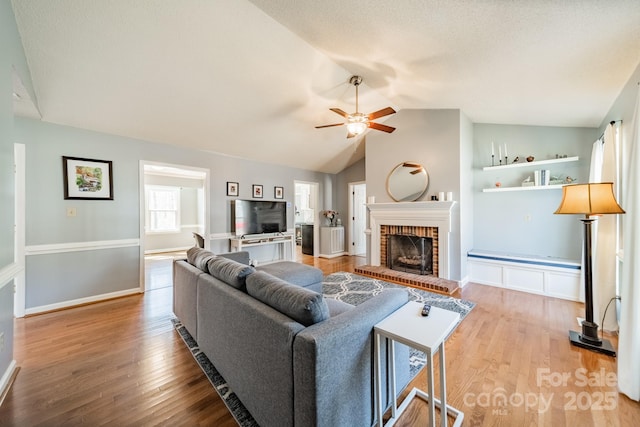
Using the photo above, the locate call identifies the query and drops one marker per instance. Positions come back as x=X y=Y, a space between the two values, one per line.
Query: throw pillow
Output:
x=199 y=257
x=302 y=305
x=229 y=271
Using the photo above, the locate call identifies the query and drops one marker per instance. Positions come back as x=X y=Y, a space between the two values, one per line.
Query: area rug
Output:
x=348 y=287
x=355 y=289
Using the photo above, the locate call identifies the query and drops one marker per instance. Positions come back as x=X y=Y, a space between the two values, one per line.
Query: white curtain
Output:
x=605 y=237
x=629 y=339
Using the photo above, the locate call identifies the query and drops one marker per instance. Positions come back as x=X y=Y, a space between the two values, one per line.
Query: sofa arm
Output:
x=240 y=256
x=333 y=364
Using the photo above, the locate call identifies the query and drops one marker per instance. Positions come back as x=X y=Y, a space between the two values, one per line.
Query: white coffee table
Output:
x=426 y=334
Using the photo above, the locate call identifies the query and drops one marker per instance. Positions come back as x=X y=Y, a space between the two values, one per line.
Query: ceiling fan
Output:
x=358 y=122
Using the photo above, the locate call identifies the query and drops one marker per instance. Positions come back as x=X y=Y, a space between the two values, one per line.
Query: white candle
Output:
x=441 y=196
x=499 y=151
x=505 y=150
x=449 y=196
x=493 y=153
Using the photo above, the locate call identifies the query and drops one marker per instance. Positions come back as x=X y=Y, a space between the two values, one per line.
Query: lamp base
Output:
x=605 y=347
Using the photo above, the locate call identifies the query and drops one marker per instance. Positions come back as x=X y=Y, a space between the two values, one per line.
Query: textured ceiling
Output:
x=252 y=79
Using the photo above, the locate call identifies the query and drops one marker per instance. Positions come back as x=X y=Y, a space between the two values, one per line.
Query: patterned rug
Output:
x=354 y=289
x=348 y=287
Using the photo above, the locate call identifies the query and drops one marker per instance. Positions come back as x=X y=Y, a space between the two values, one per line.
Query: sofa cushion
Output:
x=294 y=272
x=302 y=305
x=199 y=258
x=229 y=271
x=337 y=307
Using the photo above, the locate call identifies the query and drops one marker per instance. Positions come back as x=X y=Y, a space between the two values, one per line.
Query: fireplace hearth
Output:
x=410 y=253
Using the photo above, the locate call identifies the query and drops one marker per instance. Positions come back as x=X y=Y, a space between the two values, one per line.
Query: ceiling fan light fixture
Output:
x=357 y=124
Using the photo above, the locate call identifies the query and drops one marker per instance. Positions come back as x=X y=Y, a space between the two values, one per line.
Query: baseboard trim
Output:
x=7 y=380
x=161 y=251
x=80 y=301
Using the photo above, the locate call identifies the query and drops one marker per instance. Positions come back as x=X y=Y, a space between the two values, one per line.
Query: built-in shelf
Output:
x=534 y=163
x=529 y=188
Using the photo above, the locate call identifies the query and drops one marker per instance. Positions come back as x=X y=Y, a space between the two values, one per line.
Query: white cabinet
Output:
x=331 y=242
x=528 y=164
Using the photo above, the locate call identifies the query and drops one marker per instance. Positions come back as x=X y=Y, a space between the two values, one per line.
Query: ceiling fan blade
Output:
x=384 y=128
x=411 y=165
x=381 y=113
x=328 y=126
x=339 y=111
x=415 y=171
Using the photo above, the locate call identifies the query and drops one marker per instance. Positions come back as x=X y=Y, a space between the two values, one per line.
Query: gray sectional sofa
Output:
x=293 y=357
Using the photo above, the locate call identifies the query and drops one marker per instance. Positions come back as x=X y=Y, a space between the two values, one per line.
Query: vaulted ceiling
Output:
x=252 y=78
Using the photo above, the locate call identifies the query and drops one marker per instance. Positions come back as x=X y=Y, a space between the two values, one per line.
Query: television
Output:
x=258 y=217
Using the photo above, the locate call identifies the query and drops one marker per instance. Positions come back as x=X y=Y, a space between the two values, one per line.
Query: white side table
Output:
x=427 y=334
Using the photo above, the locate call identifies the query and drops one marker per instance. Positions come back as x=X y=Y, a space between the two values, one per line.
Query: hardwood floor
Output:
x=121 y=363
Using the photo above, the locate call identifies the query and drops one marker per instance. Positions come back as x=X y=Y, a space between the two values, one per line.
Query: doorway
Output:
x=358 y=218
x=19 y=297
x=174 y=204
x=305 y=214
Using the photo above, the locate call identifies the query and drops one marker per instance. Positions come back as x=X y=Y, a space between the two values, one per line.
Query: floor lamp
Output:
x=589 y=199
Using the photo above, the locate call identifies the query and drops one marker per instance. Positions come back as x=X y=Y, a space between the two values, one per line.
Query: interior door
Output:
x=359 y=220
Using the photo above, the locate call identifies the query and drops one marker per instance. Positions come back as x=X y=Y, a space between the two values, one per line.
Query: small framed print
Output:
x=87 y=179
x=257 y=191
x=232 y=189
x=278 y=192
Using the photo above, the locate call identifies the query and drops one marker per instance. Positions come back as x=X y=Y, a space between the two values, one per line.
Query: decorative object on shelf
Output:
x=449 y=196
x=232 y=188
x=493 y=154
x=516 y=160
x=257 y=191
x=498 y=184
x=530 y=159
x=589 y=199
x=407 y=182
x=528 y=182
x=87 y=179
x=278 y=192
x=331 y=216
x=441 y=196
x=568 y=180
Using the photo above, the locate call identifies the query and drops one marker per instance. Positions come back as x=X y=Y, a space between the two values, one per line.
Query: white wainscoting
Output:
x=8 y=273
x=56 y=248
x=552 y=277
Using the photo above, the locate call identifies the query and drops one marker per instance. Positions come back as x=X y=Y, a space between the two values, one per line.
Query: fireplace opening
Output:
x=410 y=253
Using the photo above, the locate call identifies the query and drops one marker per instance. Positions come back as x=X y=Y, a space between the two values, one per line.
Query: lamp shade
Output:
x=589 y=199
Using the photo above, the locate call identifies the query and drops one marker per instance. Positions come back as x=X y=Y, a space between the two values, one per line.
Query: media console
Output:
x=279 y=241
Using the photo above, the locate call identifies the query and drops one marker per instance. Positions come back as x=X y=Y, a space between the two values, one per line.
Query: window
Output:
x=163 y=209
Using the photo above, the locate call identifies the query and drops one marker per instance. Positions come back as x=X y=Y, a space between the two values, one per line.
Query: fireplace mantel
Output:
x=423 y=214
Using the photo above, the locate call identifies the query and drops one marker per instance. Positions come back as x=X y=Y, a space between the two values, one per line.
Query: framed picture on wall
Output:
x=278 y=192
x=257 y=191
x=232 y=188
x=87 y=179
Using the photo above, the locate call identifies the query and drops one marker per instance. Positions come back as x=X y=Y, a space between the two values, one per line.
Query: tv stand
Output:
x=279 y=240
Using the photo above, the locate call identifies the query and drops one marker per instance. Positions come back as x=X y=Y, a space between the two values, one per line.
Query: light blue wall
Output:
x=57 y=278
x=523 y=222
x=434 y=139
x=11 y=57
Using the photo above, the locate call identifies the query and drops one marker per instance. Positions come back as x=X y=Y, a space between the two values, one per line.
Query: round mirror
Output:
x=407 y=182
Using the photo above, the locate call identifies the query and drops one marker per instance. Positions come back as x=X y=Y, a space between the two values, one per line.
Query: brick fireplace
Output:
x=409 y=230
x=428 y=219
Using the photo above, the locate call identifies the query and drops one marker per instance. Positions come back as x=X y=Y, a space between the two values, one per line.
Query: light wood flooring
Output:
x=121 y=363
